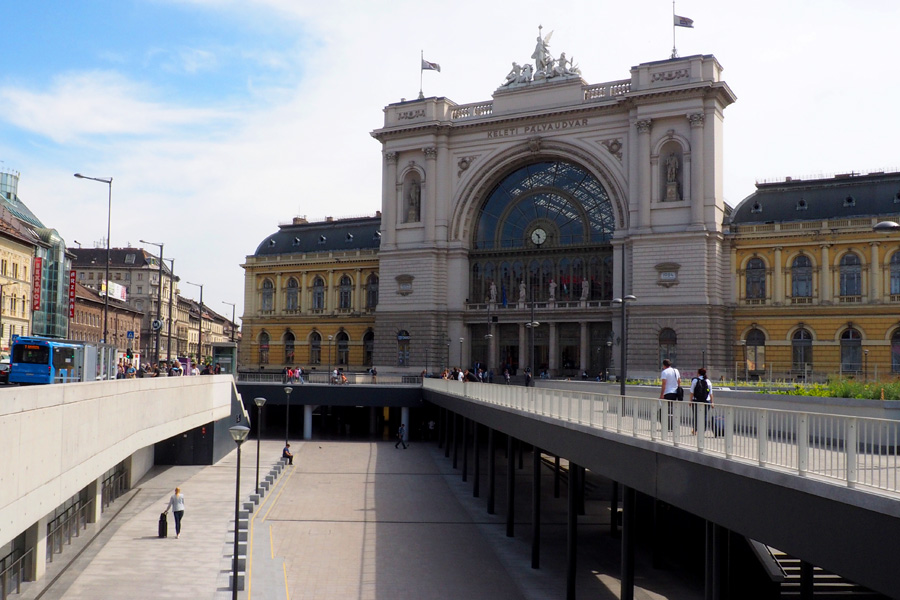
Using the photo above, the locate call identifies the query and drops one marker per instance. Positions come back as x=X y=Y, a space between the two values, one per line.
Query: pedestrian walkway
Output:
x=350 y=519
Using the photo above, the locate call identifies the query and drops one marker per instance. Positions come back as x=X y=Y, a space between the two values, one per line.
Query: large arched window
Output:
x=343 y=348
x=851 y=351
x=756 y=351
x=368 y=348
x=851 y=275
x=263 y=348
x=315 y=348
x=291 y=299
x=289 y=348
x=895 y=352
x=318 y=294
x=756 y=279
x=268 y=295
x=372 y=291
x=801 y=351
x=345 y=293
x=895 y=274
x=801 y=277
x=668 y=345
x=402 y=348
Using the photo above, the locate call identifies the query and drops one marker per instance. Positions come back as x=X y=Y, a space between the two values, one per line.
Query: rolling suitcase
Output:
x=163 y=525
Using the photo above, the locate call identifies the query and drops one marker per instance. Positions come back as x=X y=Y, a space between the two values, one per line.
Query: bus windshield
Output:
x=31 y=353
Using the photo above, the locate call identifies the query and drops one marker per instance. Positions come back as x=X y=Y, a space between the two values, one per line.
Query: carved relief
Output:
x=614 y=146
x=696 y=119
x=390 y=158
x=534 y=144
x=404 y=284
x=643 y=126
x=430 y=153
x=670 y=75
x=464 y=163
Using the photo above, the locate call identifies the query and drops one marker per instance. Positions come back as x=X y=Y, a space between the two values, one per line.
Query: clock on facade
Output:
x=538 y=236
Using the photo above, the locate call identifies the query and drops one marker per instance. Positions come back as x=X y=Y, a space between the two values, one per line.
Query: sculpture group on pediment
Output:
x=545 y=67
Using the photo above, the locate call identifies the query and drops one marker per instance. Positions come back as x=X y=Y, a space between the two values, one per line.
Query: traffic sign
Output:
x=130 y=335
x=156 y=325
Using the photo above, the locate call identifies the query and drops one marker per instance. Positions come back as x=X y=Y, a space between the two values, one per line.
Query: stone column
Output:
x=357 y=295
x=329 y=293
x=278 y=299
x=553 y=349
x=493 y=349
x=428 y=203
x=584 y=352
x=698 y=197
x=826 y=281
x=389 y=205
x=876 y=278
x=644 y=191
x=95 y=497
x=302 y=303
x=307 y=421
x=778 y=279
x=36 y=541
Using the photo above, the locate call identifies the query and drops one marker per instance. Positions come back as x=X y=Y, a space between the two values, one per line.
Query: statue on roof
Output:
x=545 y=65
x=543 y=61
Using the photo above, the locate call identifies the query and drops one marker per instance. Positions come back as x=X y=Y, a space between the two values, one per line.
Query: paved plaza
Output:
x=350 y=520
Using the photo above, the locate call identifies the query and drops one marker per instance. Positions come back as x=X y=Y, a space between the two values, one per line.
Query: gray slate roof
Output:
x=345 y=234
x=842 y=196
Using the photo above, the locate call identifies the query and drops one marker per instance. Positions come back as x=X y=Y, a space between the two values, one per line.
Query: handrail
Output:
x=17 y=572
x=856 y=451
x=322 y=377
x=67 y=528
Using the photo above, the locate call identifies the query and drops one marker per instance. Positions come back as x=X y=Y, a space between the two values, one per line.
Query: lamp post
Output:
x=260 y=402
x=866 y=365
x=108 y=181
x=460 y=352
x=200 y=326
x=158 y=327
x=624 y=346
x=608 y=357
x=238 y=433
x=531 y=325
x=172 y=299
x=287 y=414
x=232 y=318
x=330 y=378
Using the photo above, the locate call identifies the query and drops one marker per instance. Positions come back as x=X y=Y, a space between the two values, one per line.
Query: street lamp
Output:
x=200 y=326
x=287 y=415
x=232 y=318
x=624 y=348
x=460 y=353
x=260 y=402
x=108 y=181
x=238 y=433
x=866 y=365
x=173 y=297
x=158 y=324
x=608 y=357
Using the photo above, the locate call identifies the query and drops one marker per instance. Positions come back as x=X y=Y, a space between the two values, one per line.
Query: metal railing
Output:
x=63 y=528
x=322 y=377
x=12 y=577
x=113 y=486
x=855 y=451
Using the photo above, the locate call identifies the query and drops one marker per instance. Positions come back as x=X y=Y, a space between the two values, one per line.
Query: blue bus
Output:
x=43 y=361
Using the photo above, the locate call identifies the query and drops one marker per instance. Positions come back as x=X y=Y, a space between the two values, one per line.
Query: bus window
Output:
x=63 y=358
x=31 y=353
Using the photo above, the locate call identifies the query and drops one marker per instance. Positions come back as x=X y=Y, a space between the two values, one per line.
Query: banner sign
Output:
x=36 y=283
x=72 y=294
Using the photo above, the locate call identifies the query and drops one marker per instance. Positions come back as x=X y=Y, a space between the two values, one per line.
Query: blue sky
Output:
x=220 y=119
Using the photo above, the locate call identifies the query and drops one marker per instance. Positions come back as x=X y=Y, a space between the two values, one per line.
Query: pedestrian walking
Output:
x=671 y=383
x=401 y=434
x=701 y=393
x=176 y=503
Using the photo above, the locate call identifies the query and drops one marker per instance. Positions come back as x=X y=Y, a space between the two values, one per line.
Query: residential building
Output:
x=17 y=247
x=124 y=322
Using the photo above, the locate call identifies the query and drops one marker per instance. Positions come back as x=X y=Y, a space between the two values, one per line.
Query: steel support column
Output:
x=536 y=509
x=465 y=449
x=510 y=486
x=572 y=532
x=628 y=539
x=476 y=485
x=492 y=471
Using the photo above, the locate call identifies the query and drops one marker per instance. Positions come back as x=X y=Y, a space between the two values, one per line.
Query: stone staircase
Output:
x=826 y=586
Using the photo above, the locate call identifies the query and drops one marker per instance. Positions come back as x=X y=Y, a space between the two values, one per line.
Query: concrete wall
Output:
x=59 y=438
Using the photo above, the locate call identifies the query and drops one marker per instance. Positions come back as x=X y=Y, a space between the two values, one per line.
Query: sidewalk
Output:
x=350 y=519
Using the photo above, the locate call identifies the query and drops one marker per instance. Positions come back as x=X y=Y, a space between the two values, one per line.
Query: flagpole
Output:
x=674 y=50
x=421 y=62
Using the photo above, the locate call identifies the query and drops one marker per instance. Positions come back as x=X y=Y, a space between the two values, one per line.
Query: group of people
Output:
x=291 y=375
x=476 y=375
x=173 y=368
x=701 y=392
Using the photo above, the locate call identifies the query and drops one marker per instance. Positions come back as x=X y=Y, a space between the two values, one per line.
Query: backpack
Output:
x=701 y=389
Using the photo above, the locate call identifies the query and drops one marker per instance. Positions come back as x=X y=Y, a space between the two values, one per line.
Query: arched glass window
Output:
x=288 y=348
x=318 y=294
x=372 y=291
x=851 y=275
x=756 y=279
x=756 y=351
x=895 y=274
x=851 y=351
x=315 y=348
x=668 y=345
x=268 y=295
x=368 y=348
x=291 y=300
x=343 y=348
x=801 y=277
x=801 y=351
x=263 y=348
x=402 y=348
x=345 y=293
x=895 y=352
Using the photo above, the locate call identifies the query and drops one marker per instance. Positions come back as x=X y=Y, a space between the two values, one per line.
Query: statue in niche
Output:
x=413 y=201
x=672 y=192
x=552 y=290
x=585 y=289
x=522 y=292
x=493 y=293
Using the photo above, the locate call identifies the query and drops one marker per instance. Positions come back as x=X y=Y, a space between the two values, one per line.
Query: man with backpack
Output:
x=701 y=393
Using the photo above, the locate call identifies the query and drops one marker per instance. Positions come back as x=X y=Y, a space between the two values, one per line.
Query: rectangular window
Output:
x=140 y=289
x=15 y=268
x=140 y=276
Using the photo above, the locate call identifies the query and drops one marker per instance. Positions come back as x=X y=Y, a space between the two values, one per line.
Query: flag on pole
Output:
x=679 y=22
x=430 y=66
